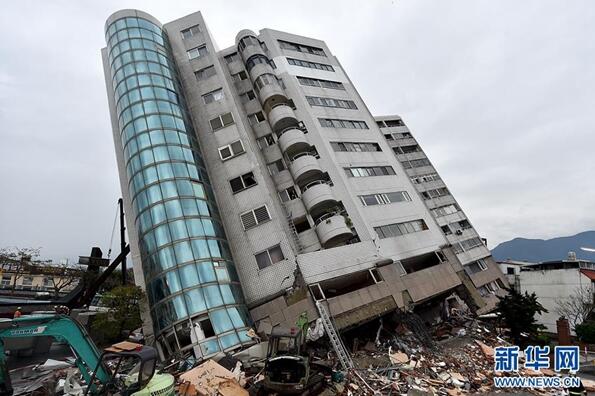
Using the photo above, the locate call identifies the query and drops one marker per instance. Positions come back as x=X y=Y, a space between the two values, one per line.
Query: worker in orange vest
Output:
x=18 y=313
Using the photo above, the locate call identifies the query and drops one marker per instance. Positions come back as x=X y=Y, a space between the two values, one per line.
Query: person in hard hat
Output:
x=579 y=390
x=18 y=313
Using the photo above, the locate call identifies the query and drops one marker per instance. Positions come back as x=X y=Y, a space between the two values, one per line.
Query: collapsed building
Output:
x=256 y=183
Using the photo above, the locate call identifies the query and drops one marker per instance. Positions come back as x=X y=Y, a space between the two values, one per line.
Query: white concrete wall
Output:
x=550 y=286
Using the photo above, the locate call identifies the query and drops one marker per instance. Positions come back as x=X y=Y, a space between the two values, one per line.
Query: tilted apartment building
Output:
x=256 y=181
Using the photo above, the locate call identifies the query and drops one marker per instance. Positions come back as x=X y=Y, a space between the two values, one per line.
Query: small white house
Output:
x=552 y=281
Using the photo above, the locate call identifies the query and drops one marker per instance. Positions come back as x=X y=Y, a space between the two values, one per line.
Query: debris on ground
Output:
x=211 y=378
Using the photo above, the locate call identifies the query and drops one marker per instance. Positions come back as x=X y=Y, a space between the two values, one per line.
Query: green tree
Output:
x=517 y=312
x=123 y=315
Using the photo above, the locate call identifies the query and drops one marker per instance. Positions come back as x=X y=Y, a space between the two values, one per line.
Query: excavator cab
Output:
x=286 y=370
x=131 y=367
x=124 y=369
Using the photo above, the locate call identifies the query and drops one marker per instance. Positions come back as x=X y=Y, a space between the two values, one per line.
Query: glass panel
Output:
x=209 y=347
x=206 y=273
x=200 y=249
x=189 y=207
x=166 y=258
x=158 y=213
x=173 y=209
x=236 y=318
x=212 y=296
x=183 y=252
x=229 y=340
x=162 y=235
x=195 y=300
x=195 y=228
x=228 y=297
x=189 y=276
x=178 y=230
x=221 y=321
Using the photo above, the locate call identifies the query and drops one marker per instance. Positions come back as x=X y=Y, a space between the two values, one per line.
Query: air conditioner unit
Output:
x=459 y=232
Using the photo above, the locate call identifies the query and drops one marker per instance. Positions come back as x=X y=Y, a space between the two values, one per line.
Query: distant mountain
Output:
x=535 y=250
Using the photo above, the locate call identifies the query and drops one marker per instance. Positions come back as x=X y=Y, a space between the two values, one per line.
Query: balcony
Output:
x=293 y=140
x=332 y=230
x=318 y=197
x=260 y=69
x=252 y=50
x=281 y=116
x=303 y=167
x=309 y=241
x=271 y=95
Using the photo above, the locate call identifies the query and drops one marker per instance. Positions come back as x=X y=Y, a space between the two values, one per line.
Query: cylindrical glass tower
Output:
x=192 y=286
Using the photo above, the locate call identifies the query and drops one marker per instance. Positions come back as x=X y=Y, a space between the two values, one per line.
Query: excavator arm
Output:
x=62 y=329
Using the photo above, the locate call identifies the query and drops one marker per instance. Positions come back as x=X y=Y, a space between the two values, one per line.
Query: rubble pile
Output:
x=459 y=363
x=51 y=377
x=457 y=360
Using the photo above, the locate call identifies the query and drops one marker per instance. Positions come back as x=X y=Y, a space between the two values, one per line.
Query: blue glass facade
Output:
x=189 y=272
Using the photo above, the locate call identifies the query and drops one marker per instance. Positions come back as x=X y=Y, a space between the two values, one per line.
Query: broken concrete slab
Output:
x=209 y=377
x=398 y=358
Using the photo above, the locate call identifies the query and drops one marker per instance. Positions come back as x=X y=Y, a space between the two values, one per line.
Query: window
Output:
x=356 y=147
x=232 y=57
x=446 y=230
x=459 y=226
x=370 y=171
x=27 y=281
x=406 y=149
x=191 y=31
x=476 y=266
x=390 y=123
x=398 y=229
x=197 y=52
x=384 y=198
x=301 y=224
x=263 y=80
x=276 y=167
x=242 y=182
x=376 y=275
x=255 y=217
x=221 y=122
x=231 y=150
x=248 y=40
x=435 y=193
x=417 y=163
x=467 y=244
x=213 y=96
x=510 y=270
x=240 y=76
x=400 y=268
x=256 y=60
x=269 y=257
x=311 y=65
x=345 y=124
x=247 y=96
x=288 y=194
x=316 y=82
x=205 y=73
x=445 y=210
x=266 y=141
x=301 y=48
x=256 y=118
x=425 y=178
x=329 y=102
x=6 y=280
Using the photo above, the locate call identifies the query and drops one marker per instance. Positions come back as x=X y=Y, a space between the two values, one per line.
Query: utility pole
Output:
x=122 y=239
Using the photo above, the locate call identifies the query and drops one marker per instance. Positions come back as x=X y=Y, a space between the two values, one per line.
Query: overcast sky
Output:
x=499 y=93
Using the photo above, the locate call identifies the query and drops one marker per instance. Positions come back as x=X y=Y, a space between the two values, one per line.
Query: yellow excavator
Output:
x=100 y=377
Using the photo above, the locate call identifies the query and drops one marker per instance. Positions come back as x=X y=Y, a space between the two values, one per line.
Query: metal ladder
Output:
x=294 y=233
x=336 y=341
